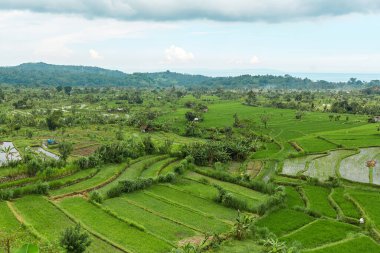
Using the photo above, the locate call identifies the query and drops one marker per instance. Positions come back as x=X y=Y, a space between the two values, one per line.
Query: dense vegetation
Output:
x=91 y=163
x=42 y=74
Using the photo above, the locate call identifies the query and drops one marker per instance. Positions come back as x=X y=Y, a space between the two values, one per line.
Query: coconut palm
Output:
x=8 y=151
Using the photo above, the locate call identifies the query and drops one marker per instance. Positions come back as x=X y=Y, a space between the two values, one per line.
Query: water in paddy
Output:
x=354 y=167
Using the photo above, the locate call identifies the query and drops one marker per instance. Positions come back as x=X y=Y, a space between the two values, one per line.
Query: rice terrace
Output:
x=245 y=126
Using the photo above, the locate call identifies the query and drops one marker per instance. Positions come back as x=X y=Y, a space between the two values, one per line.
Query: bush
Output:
x=33 y=166
x=150 y=148
x=307 y=211
x=42 y=188
x=6 y=194
x=115 y=191
x=274 y=201
x=82 y=163
x=261 y=233
x=74 y=240
x=228 y=200
x=95 y=196
x=127 y=186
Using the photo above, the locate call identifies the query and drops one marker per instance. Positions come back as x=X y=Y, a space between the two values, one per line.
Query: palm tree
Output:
x=8 y=152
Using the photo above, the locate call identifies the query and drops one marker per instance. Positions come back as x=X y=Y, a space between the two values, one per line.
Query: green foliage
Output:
x=53 y=121
x=65 y=149
x=273 y=245
x=127 y=186
x=268 y=188
x=166 y=147
x=42 y=188
x=320 y=232
x=28 y=248
x=216 y=151
x=284 y=221
x=149 y=146
x=74 y=240
x=228 y=200
x=96 y=197
x=242 y=226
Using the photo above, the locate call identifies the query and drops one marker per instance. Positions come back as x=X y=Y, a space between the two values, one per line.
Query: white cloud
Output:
x=95 y=54
x=254 y=60
x=178 y=54
x=222 y=10
x=71 y=42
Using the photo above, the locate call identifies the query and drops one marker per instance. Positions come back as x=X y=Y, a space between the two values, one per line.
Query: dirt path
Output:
x=15 y=213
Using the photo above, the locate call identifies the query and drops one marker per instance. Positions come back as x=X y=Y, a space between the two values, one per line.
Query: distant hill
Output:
x=42 y=74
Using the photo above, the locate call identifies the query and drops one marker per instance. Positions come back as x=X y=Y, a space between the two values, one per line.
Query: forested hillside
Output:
x=42 y=74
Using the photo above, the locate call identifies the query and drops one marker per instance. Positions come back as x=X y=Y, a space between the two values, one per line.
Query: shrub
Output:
x=33 y=166
x=6 y=194
x=127 y=186
x=95 y=196
x=74 y=240
x=82 y=163
x=274 y=201
x=115 y=191
x=65 y=150
x=150 y=148
x=42 y=188
x=228 y=200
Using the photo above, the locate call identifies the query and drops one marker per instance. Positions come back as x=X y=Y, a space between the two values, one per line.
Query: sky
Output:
x=212 y=37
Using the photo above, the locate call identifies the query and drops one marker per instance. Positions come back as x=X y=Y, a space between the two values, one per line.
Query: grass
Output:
x=282 y=123
x=239 y=247
x=43 y=216
x=135 y=170
x=203 y=205
x=9 y=225
x=153 y=223
x=283 y=180
x=293 y=197
x=369 y=201
x=347 y=207
x=230 y=187
x=320 y=232
x=132 y=172
x=51 y=222
x=105 y=172
x=283 y=221
x=77 y=177
x=312 y=144
x=362 y=244
x=177 y=213
x=169 y=168
x=130 y=238
x=154 y=169
x=210 y=192
x=318 y=200
x=359 y=136
x=8 y=221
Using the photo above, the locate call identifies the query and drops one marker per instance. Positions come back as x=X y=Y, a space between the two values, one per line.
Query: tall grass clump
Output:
x=127 y=186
